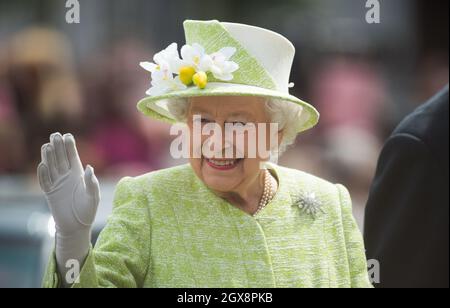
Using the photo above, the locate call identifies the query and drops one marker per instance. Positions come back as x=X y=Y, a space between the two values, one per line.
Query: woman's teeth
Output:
x=223 y=162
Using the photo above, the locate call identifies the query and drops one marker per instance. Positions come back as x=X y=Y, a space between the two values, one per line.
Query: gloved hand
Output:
x=73 y=195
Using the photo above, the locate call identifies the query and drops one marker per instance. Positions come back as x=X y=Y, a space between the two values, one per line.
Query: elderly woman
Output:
x=221 y=220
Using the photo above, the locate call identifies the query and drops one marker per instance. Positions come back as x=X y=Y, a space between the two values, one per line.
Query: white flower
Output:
x=165 y=59
x=196 y=57
x=163 y=82
x=222 y=68
x=192 y=68
x=166 y=62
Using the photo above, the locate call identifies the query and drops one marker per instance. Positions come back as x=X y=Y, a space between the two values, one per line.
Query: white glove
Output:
x=73 y=195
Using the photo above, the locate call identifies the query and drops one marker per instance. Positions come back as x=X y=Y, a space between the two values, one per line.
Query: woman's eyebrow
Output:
x=195 y=110
x=242 y=114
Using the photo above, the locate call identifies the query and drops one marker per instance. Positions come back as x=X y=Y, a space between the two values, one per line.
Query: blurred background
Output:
x=84 y=79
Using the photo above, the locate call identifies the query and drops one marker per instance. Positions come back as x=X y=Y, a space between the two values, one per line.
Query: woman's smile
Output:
x=222 y=164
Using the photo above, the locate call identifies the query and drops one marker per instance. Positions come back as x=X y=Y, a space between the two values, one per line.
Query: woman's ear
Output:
x=275 y=148
x=280 y=136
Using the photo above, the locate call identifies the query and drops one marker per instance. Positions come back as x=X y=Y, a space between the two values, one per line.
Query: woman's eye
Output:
x=199 y=119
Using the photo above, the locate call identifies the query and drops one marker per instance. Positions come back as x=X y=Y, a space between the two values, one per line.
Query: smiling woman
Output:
x=238 y=180
x=233 y=221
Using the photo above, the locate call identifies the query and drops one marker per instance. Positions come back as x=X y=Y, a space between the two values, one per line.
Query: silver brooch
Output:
x=309 y=204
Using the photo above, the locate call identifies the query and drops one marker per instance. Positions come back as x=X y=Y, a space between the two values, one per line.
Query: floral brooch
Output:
x=191 y=68
x=309 y=204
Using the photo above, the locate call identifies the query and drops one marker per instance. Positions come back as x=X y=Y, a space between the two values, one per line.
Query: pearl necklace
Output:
x=268 y=193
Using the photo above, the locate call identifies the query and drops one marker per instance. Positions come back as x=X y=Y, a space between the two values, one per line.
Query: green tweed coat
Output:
x=167 y=229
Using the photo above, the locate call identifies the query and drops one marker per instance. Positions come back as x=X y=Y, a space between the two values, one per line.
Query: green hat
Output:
x=223 y=59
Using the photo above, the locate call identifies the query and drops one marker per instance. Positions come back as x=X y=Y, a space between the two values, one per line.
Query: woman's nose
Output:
x=218 y=146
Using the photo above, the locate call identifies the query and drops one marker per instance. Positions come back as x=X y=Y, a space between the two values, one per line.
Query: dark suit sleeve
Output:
x=402 y=230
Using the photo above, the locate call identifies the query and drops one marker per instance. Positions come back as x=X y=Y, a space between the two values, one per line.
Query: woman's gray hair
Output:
x=286 y=114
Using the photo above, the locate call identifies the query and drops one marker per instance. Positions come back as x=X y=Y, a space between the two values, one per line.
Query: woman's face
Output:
x=223 y=163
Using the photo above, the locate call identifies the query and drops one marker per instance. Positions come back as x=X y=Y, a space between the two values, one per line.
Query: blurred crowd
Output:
x=42 y=91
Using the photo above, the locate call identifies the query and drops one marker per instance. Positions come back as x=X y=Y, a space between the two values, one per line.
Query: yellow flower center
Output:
x=196 y=60
x=186 y=73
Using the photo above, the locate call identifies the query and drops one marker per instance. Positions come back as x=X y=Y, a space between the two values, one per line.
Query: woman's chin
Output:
x=218 y=187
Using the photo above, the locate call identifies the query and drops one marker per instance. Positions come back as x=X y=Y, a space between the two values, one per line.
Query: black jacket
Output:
x=407 y=214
